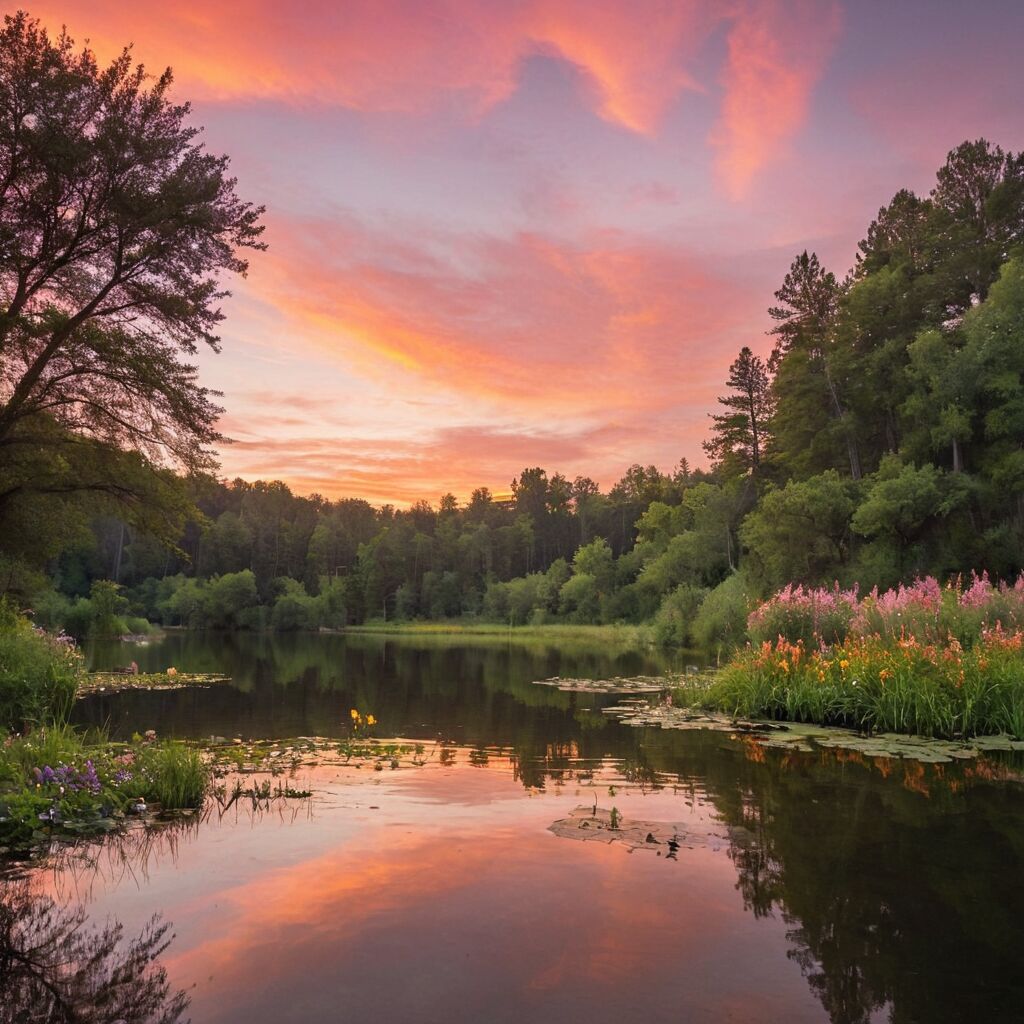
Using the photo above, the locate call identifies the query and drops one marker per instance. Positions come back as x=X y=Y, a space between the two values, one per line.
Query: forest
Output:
x=880 y=438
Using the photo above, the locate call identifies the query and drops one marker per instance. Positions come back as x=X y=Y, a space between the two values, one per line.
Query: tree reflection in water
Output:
x=55 y=968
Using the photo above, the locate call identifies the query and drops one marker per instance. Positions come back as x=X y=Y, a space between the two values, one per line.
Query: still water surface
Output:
x=866 y=890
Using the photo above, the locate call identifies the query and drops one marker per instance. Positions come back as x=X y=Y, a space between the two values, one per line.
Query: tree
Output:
x=737 y=439
x=810 y=420
x=801 y=532
x=116 y=227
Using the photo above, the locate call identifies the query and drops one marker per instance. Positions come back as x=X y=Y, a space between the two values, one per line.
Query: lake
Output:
x=806 y=887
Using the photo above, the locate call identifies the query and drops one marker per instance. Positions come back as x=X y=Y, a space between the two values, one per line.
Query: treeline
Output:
x=263 y=557
x=883 y=438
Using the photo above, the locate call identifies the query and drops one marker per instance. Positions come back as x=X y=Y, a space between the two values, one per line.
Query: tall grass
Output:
x=877 y=684
x=172 y=774
x=39 y=674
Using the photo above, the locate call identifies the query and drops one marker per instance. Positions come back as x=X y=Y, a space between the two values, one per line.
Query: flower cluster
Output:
x=361 y=724
x=69 y=778
x=811 y=614
x=907 y=683
x=923 y=609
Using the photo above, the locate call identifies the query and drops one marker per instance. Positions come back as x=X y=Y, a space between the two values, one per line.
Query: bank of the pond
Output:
x=875 y=684
x=636 y=635
x=57 y=780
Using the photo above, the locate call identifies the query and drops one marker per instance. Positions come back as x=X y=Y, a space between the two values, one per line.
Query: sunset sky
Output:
x=509 y=233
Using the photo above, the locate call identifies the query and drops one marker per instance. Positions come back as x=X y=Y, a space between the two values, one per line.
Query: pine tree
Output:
x=737 y=440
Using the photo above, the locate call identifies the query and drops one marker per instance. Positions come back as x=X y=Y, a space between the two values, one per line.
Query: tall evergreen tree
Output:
x=738 y=435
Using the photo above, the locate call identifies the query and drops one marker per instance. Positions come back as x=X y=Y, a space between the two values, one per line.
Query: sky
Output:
x=512 y=233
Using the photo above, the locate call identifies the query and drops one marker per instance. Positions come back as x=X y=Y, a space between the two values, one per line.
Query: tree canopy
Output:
x=117 y=229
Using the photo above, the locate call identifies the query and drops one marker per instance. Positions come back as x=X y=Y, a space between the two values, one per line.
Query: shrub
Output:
x=39 y=674
x=673 y=623
x=721 y=622
x=108 y=607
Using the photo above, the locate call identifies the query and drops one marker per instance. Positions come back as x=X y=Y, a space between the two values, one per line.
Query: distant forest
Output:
x=883 y=438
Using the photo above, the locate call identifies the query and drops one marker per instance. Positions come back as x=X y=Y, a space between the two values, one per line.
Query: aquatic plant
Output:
x=172 y=774
x=362 y=724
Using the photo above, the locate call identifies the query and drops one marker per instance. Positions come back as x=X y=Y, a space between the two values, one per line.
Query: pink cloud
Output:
x=776 y=52
x=635 y=60
x=530 y=321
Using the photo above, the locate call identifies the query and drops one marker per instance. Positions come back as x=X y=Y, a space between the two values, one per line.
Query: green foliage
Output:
x=801 y=531
x=39 y=674
x=674 y=621
x=228 y=598
x=107 y=607
x=294 y=609
x=171 y=774
x=721 y=622
x=876 y=684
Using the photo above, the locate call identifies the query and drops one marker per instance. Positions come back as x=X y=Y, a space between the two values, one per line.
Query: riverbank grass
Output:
x=606 y=634
x=877 y=684
x=55 y=778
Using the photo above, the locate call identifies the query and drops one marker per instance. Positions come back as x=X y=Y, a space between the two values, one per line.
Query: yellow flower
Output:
x=355 y=715
x=844 y=664
x=370 y=720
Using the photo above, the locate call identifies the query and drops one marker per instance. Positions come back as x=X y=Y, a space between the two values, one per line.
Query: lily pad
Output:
x=617 y=684
x=114 y=682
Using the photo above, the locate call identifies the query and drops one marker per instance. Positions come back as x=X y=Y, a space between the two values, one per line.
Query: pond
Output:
x=829 y=886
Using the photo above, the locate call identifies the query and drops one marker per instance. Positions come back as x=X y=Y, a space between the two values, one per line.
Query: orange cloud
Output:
x=531 y=321
x=634 y=60
x=776 y=53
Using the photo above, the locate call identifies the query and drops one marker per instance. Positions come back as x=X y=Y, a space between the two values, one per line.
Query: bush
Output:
x=721 y=622
x=80 y=782
x=580 y=599
x=39 y=673
x=294 y=609
x=673 y=624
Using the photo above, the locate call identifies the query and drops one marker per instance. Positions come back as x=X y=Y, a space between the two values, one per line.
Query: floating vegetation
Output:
x=598 y=824
x=278 y=757
x=617 y=684
x=115 y=682
x=799 y=736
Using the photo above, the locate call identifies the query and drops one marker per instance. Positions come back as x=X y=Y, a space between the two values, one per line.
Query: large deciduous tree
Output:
x=117 y=229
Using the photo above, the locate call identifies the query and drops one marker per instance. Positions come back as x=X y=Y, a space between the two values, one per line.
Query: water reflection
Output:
x=868 y=889
x=55 y=968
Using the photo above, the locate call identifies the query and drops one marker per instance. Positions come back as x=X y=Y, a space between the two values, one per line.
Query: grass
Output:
x=173 y=775
x=877 y=684
x=39 y=673
x=59 y=779
x=606 y=634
